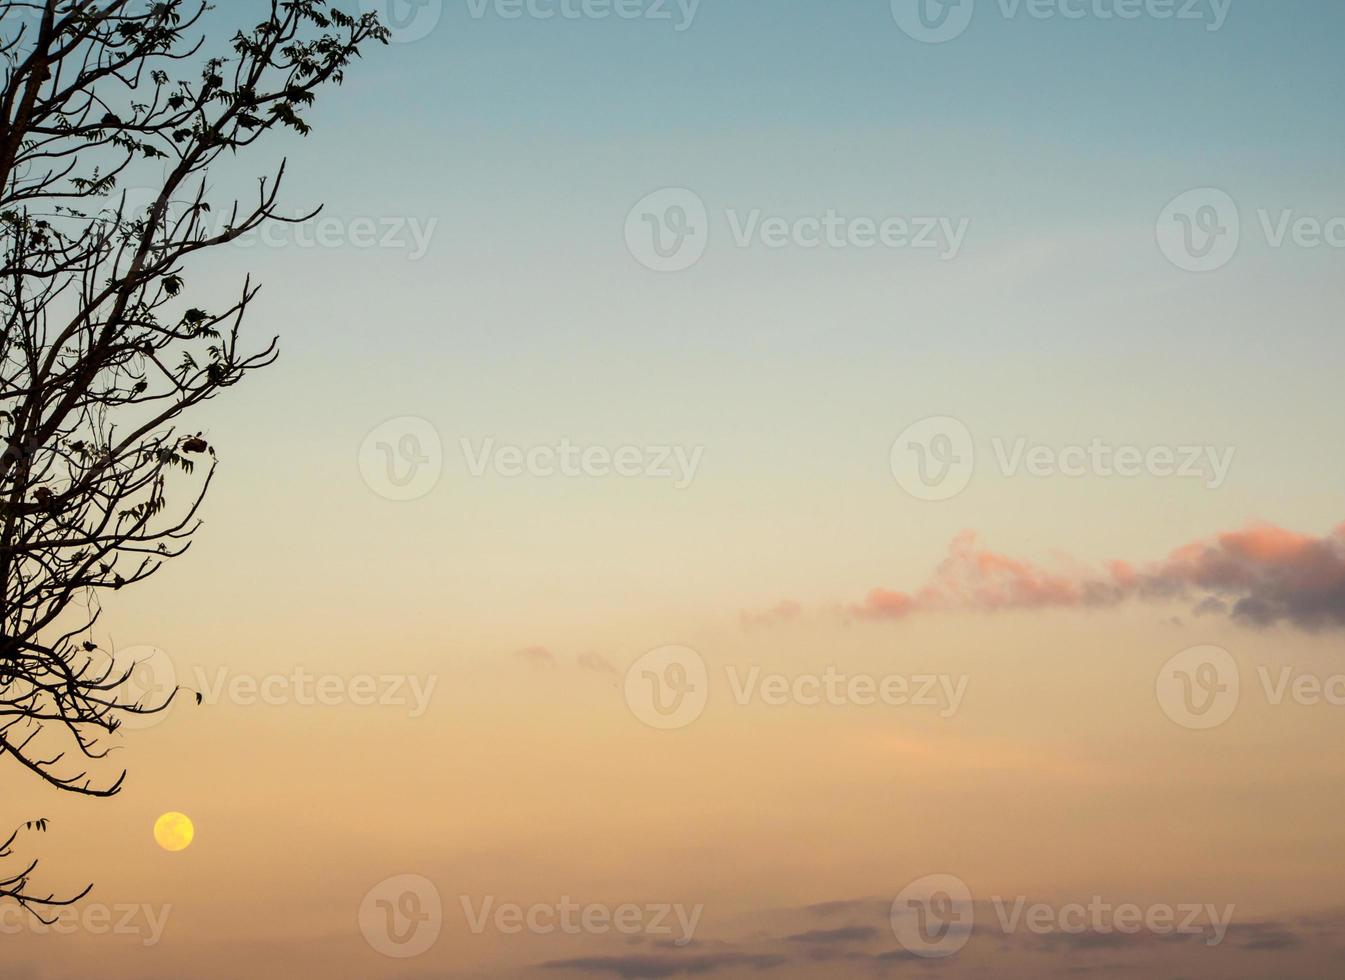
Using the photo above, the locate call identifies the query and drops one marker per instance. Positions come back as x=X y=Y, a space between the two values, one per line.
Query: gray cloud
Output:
x=848 y=934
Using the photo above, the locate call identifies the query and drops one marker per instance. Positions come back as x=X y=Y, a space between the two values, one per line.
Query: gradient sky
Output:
x=527 y=321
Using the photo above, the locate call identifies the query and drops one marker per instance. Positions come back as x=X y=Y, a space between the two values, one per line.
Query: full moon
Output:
x=174 y=831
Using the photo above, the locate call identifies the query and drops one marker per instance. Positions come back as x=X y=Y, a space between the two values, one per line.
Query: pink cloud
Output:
x=1262 y=575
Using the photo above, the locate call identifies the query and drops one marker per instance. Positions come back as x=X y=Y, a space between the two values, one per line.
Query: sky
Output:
x=764 y=475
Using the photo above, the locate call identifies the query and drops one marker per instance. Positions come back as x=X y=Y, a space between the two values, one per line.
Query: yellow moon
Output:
x=174 y=831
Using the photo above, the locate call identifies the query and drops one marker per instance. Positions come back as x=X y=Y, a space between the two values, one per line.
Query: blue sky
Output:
x=1148 y=86
x=528 y=141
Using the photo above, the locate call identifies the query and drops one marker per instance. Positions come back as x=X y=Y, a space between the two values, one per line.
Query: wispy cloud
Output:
x=537 y=656
x=784 y=611
x=598 y=664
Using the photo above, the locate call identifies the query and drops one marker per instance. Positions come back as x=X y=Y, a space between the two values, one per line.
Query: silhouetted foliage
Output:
x=101 y=350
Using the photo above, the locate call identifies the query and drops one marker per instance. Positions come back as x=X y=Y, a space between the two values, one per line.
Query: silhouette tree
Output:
x=101 y=352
